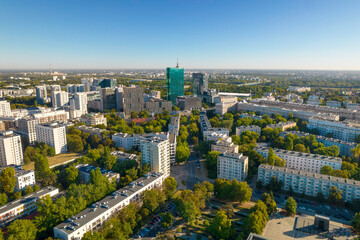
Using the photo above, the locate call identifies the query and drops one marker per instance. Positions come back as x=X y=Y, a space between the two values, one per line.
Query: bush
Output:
x=179 y=230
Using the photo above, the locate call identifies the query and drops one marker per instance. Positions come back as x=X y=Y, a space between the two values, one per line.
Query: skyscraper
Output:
x=200 y=83
x=108 y=83
x=175 y=83
x=130 y=99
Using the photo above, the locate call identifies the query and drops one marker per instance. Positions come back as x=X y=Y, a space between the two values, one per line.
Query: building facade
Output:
x=85 y=173
x=251 y=128
x=303 y=161
x=59 y=99
x=225 y=145
x=232 y=166
x=54 y=135
x=175 y=83
x=309 y=183
x=10 y=149
x=5 y=109
x=27 y=127
x=200 y=83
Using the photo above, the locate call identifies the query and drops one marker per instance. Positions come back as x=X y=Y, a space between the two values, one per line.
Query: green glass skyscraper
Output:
x=175 y=83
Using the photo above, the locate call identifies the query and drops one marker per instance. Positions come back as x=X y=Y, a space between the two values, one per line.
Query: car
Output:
x=311 y=210
x=146 y=229
x=302 y=208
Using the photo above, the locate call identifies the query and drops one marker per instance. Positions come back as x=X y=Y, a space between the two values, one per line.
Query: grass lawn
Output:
x=56 y=159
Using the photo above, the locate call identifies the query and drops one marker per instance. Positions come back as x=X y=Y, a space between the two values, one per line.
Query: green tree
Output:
x=300 y=148
x=107 y=160
x=21 y=229
x=169 y=186
x=69 y=176
x=28 y=190
x=289 y=145
x=166 y=219
x=290 y=206
x=152 y=199
x=93 y=236
x=228 y=209
x=271 y=157
x=7 y=180
x=75 y=143
x=211 y=163
x=269 y=202
x=42 y=169
x=187 y=205
x=335 y=195
x=133 y=114
x=327 y=170
x=240 y=191
x=220 y=226
x=182 y=153
x=3 y=199
x=356 y=222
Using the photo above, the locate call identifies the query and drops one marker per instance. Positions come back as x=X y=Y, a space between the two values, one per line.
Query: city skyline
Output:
x=297 y=35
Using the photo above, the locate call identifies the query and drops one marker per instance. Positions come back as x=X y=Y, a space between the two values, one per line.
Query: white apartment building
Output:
x=92 y=218
x=156 y=152
x=10 y=149
x=78 y=105
x=94 y=119
x=344 y=146
x=334 y=104
x=91 y=130
x=303 y=161
x=5 y=110
x=24 y=178
x=59 y=98
x=27 y=127
x=54 y=135
x=23 y=206
x=232 y=166
x=173 y=143
x=41 y=94
x=224 y=145
x=55 y=88
x=127 y=141
x=345 y=131
x=207 y=130
x=85 y=171
x=298 y=89
x=309 y=183
x=251 y=128
x=50 y=115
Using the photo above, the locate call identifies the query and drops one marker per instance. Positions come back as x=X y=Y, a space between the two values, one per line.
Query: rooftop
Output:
x=310 y=174
x=87 y=215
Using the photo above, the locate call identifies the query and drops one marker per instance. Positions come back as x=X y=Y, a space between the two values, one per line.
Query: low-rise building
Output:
x=188 y=102
x=298 y=89
x=85 y=171
x=225 y=145
x=232 y=166
x=309 y=183
x=208 y=131
x=128 y=141
x=24 y=206
x=251 y=128
x=334 y=104
x=344 y=146
x=282 y=125
x=92 y=131
x=123 y=156
x=23 y=177
x=94 y=217
x=304 y=161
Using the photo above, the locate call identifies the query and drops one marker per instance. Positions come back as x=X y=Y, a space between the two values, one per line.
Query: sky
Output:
x=203 y=34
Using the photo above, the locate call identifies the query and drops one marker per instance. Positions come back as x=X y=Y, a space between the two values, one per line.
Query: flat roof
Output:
x=301 y=154
x=29 y=198
x=111 y=200
x=310 y=174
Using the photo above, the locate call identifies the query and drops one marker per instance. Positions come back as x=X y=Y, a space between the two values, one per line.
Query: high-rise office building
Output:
x=41 y=94
x=175 y=83
x=54 y=135
x=130 y=99
x=10 y=149
x=108 y=99
x=5 y=109
x=59 y=98
x=108 y=83
x=200 y=83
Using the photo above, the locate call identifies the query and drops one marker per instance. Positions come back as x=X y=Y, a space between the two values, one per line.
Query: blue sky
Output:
x=257 y=34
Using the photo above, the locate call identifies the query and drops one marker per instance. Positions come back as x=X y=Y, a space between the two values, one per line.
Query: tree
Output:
x=300 y=148
x=241 y=191
x=182 y=153
x=3 y=199
x=271 y=157
x=220 y=226
x=93 y=236
x=75 y=143
x=7 y=180
x=169 y=186
x=269 y=202
x=187 y=206
x=327 y=170
x=133 y=114
x=21 y=229
x=290 y=206
x=356 y=222
x=69 y=176
x=152 y=199
x=228 y=209
x=211 y=163
x=42 y=169
x=166 y=219
x=28 y=190
x=335 y=195
x=107 y=160
x=289 y=145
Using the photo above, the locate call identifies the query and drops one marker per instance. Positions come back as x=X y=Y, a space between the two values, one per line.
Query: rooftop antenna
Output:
x=177 y=62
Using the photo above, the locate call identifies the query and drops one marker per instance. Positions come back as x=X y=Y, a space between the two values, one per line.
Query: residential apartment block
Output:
x=206 y=128
x=94 y=119
x=10 y=149
x=232 y=166
x=54 y=135
x=24 y=178
x=92 y=218
x=225 y=145
x=5 y=110
x=282 y=125
x=344 y=146
x=303 y=161
x=309 y=183
x=174 y=125
x=346 y=131
x=251 y=128
x=24 y=206
x=27 y=128
x=85 y=171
